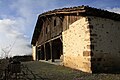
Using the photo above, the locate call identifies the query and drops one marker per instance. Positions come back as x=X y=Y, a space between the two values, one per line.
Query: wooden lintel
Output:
x=50 y=40
x=53 y=38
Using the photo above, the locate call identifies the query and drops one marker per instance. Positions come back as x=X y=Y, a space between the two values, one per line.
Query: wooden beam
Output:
x=63 y=12
x=51 y=52
x=50 y=40
x=45 y=53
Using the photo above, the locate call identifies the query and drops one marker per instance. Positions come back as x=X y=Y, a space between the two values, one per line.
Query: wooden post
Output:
x=51 y=52
x=46 y=57
x=43 y=53
x=37 y=53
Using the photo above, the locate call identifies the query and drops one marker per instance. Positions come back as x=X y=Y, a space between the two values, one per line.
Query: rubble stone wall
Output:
x=76 y=42
x=105 y=41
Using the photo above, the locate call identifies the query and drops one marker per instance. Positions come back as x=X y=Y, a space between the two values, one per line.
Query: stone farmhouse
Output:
x=83 y=38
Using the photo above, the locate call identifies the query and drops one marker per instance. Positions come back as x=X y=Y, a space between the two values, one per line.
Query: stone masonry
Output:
x=92 y=43
x=75 y=45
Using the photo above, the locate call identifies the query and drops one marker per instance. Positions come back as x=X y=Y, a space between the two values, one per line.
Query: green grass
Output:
x=54 y=72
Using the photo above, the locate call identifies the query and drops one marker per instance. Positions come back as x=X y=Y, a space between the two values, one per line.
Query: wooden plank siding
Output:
x=54 y=26
x=57 y=27
x=68 y=20
x=41 y=35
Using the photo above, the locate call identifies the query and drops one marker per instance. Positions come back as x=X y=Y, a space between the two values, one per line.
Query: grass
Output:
x=54 y=72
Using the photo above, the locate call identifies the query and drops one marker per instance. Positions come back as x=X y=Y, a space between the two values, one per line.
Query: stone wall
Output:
x=92 y=44
x=76 y=45
x=105 y=42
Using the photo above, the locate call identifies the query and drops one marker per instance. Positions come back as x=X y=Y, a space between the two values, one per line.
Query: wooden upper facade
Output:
x=52 y=23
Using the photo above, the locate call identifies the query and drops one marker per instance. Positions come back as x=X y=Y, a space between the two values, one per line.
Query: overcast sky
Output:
x=18 y=19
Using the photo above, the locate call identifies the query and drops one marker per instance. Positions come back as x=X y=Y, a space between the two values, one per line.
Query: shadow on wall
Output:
x=104 y=49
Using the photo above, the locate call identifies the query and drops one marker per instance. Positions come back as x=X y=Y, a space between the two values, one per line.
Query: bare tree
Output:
x=6 y=51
